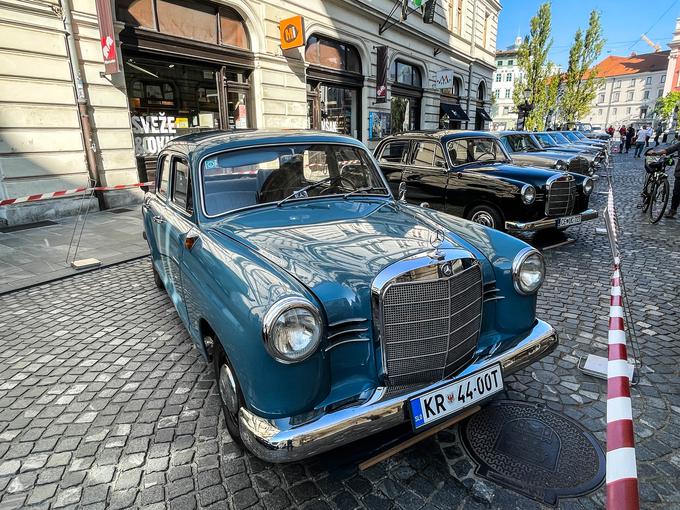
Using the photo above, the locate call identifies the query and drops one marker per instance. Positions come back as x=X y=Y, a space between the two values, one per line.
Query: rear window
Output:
x=243 y=178
x=394 y=152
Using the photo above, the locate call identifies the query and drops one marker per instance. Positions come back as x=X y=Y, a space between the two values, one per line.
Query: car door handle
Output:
x=413 y=177
x=145 y=207
x=157 y=219
x=459 y=175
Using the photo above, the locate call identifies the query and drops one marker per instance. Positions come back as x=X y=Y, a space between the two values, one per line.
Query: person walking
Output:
x=657 y=134
x=640 y=141
x=630 y=134
x=610 y=131
x=650 y=133
x=675 y=198
x=622 y=135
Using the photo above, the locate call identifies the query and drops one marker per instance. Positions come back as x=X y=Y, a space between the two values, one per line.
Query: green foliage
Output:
x=580 y=84
x=532 y=59
x=666 y=106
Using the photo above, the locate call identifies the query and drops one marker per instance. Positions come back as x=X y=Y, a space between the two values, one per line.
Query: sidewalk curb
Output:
x=62 y=274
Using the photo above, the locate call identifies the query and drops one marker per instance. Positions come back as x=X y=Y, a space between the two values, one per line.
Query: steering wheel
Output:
x=481 y=156
x=334 y=184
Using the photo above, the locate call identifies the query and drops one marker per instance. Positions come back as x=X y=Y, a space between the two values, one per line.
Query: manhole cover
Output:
x=534 y=451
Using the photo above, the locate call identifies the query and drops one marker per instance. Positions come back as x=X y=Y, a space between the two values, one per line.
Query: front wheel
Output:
x=658 y=200
x=229 y=390
x=486 y=215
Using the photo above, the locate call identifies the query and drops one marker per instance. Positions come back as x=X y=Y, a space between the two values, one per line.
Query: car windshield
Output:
x=247 y=177
x=471 y=150
x=559 y=137
x=570 y=136
x=520 y=143
x=545 y=139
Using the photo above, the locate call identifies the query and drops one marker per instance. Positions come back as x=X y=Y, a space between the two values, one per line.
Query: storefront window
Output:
x=405 y=74
x=334 y=54
x=405 y=114
x=137 y=13
x=406 y=97
x=337 y=109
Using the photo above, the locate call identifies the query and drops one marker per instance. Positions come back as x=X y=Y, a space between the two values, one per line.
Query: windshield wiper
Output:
x=364 y=190
x=299 y=193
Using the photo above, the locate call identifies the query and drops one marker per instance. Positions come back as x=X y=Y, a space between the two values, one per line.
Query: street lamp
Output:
x=523 y=110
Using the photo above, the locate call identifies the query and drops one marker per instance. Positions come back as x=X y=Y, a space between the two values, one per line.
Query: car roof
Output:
x=511 y=132
x=200 y=144
x=441 y=134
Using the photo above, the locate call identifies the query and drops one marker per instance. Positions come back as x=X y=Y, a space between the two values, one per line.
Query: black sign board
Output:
x=381 y=78
x=428 y=12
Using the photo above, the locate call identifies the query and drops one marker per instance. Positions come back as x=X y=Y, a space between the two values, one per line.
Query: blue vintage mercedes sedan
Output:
x=330 y=309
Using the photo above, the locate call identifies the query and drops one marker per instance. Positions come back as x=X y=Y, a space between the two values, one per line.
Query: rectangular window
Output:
x=617 y=84
x=485 y=33
x=648 y=81
x=632 y=83
x=499 y=63
x=507 y=93
x=600 y=98
x=138 y=13
x=614 y=111
x=181 y=185
x=643 y=112
x=459 y=17
x=164 y=176
x=497 y=93
x=659 y=93
x=599 y=111
x=506 y=110
x=509 y=62
x=663 y=78
x=508 y=77
x=629 y=96
x=628 y=111
x=616 y=96
x=645 y=94
x=498 y=76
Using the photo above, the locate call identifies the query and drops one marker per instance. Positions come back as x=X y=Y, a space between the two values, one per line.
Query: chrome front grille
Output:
x=430 y=328
x=579 y=165
x=561 y=196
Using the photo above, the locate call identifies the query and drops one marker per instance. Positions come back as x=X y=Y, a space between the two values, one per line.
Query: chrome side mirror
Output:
x=425 y=205
x=402 y=192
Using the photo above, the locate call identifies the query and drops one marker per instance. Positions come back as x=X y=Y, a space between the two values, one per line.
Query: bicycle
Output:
x=656 y=189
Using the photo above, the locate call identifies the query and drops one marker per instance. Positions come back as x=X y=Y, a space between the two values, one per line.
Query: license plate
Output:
x=567 y=221
x=454 y=397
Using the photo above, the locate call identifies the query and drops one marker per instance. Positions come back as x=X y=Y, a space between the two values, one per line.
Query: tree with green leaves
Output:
x=535 y=69
x=667 y=105
x=581 y=81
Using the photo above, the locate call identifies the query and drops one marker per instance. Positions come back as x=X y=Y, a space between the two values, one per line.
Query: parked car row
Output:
x=336 y=293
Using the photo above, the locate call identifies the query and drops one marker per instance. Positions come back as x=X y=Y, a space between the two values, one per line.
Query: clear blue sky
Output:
x=623 y=22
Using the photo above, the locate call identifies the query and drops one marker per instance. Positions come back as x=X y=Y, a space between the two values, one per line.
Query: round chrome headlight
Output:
x=528 y=194
x=292 y=329
x=587 y=186
x=528 y=271
x=561 y=166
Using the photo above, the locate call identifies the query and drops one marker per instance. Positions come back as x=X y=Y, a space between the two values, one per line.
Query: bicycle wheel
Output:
x=658 y=200
x=646 y=193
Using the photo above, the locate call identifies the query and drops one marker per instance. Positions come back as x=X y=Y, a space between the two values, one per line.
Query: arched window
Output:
x=334 y=54
x=405 y=74
x=481 y=91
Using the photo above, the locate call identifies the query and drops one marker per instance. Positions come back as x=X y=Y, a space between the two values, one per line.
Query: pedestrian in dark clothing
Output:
x=622 y=135
x=675 y=199
x=657 y=134
x=630 y=134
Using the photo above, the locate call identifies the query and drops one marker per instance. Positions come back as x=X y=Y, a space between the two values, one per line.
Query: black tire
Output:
x=220 y=360
x=486 y=215
x=157 y=278
x=646 y=193
x=658 y=200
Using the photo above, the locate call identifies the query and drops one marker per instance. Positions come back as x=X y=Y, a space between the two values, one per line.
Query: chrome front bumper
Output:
x=542 y=224
x=278 y=441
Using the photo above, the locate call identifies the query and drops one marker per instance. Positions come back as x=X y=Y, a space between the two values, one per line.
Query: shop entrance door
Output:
x=332 y=108
x=233 y=99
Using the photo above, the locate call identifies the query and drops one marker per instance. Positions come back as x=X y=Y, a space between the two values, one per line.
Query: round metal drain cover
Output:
x=534 y=451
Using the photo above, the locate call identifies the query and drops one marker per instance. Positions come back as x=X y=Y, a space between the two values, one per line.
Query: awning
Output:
x=481 y=112
x=454 y=111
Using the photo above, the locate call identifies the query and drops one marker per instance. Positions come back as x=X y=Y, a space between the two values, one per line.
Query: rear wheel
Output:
x=486 y=215
x=157 y=278
x=229 y=390
x=658 y=200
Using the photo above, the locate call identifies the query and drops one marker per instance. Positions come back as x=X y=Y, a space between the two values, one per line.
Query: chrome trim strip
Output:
x=346 y=321
x=345 y=331
x=348 y=341
x=275 y=440
x=542 y=224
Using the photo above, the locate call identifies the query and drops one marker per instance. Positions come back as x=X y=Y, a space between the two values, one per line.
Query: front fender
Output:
x=231 y=288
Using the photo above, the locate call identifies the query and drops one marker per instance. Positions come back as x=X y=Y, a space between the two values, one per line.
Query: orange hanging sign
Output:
x=292 y=32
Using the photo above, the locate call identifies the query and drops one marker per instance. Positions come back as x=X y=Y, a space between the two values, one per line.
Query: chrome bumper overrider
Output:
x=278 y=441
x=542 y=224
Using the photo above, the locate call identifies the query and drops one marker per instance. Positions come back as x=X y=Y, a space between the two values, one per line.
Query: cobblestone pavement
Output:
x=104 y=403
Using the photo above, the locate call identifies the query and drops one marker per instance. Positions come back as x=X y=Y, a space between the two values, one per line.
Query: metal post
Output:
x=81 y=96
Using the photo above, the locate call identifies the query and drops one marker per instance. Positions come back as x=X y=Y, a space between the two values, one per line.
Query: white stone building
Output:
x=630 y=89
x=507 y=73
x=188 y=66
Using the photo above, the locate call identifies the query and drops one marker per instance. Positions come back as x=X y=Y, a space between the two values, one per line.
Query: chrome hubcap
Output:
x=483 y=218
x=228 y=389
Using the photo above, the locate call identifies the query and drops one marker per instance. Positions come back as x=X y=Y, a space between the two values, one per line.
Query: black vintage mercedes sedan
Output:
x=469 y=174
x=525 y=151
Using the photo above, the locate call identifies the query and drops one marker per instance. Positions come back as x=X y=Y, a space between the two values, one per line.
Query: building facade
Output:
x=672 y=83
x=188 y=66
x=504 y=112
x=630 y=88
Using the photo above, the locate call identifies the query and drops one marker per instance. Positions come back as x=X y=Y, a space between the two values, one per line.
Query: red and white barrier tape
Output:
x=68 y=192
x=622 y=483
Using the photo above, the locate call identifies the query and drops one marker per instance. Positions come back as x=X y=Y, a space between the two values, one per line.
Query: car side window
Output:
x=181 y=185
x=458 y=151
x=394 y=152
x=164 y=169
x=423 y=154
x=506 y=143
